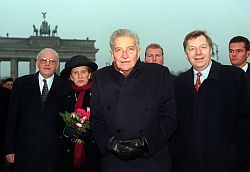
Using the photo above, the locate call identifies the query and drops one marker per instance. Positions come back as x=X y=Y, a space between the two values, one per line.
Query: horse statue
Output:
x=54 y=31
x=35 y=30
x=44 y=29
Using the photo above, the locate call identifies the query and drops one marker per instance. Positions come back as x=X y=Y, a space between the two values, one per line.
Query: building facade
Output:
x=26 y=49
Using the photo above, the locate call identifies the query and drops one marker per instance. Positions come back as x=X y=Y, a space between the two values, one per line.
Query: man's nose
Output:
x=198 y=51
x=47 y=62
x=154 y=58
x=124 y=54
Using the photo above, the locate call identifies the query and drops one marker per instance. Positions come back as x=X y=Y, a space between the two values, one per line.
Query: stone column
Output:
x=14 y=68
x=32 y=66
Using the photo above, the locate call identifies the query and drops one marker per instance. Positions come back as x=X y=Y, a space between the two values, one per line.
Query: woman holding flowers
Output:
x=80 y=150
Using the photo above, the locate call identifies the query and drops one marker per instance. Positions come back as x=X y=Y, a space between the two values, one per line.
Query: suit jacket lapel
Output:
x=33 y=87
x=189 y=81
x=214 y=72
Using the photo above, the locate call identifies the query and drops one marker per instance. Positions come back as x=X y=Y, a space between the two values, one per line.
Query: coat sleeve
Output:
x=161 y=130
x=97 y=122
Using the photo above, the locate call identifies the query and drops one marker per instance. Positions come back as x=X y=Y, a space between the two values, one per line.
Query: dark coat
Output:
x=213 y=124
x=92 y=154
x=4 y=105
x=31 y=130
x=142 y=101
x=246 y=167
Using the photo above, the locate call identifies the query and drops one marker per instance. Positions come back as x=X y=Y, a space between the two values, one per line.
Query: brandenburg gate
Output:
x=26 y=49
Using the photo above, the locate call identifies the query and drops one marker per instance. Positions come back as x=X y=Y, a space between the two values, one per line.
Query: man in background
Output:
x=239 y=50
x=7 y=83
x=4 y=105
x=154 y=54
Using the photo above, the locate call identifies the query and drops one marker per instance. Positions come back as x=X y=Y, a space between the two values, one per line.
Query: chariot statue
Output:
x=45 y=27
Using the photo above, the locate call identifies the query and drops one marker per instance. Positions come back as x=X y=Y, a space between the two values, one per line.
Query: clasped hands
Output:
x=128 y=149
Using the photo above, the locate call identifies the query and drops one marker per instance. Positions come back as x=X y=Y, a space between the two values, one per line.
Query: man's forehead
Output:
x=48 y=54
x=124 y=41
x=154 y=49
x=237 y=44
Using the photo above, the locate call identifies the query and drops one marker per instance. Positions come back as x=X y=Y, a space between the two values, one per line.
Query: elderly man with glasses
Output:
x=31 y=132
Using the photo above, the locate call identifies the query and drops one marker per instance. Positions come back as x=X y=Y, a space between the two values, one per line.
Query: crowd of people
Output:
x=133 y=115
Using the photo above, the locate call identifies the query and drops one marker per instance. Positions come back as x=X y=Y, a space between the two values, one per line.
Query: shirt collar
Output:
x=49 y=81
x=204 y=73
x=245 y=67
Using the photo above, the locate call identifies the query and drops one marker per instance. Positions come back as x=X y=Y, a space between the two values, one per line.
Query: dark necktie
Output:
x=198 y=81
x=44 y=92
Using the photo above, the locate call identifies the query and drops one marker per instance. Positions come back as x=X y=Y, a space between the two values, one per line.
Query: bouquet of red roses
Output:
x=77 y=123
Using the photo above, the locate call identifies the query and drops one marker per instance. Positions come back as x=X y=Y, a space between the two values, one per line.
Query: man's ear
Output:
x=112 y=54
x=139 y=53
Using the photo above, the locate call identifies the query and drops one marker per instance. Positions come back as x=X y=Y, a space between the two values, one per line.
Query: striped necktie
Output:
x=44 y=92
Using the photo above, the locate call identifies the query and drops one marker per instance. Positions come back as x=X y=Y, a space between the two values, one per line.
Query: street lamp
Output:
x=215 y=51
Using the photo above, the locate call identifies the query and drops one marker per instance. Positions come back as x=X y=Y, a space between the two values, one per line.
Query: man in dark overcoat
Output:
x=30 y=143
x=132 y=100
x=4 y=105
x=239 y=51
x=213 y=119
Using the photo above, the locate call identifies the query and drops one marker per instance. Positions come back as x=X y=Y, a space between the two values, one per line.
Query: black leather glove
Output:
x=73 y=134
x=128 y=149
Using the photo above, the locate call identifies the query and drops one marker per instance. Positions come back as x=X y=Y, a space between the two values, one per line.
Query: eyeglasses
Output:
x=128 y=50
x=45 y=60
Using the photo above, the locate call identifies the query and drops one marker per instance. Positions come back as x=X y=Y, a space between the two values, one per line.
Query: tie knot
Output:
x=44 y=80
x=199 y=74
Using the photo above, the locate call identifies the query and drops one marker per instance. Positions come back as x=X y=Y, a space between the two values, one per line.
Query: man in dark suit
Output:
x=30 y=143
x=132 y=110
x=4 y=105
x=154 y=54
x=213 y=132
x=239 y=50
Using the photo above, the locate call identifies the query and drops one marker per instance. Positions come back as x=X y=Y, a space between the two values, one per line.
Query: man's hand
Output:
x=10 y=158
x=128 y=149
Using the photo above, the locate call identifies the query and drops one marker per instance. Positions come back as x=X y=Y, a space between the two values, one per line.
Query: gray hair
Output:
x=122 y=33
x=47 y=49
